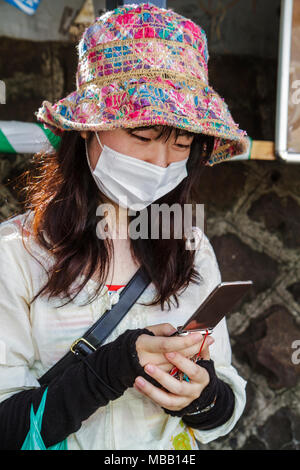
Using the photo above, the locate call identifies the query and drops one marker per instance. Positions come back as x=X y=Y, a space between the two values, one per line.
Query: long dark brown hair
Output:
x=64 y=197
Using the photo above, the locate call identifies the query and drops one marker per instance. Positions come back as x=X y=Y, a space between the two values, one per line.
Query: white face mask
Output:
x=118 y=175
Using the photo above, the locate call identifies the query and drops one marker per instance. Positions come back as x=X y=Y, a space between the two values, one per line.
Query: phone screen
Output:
x=217 y=304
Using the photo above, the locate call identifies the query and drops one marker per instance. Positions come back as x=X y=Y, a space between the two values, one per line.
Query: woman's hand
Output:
x=152 y=349
x=176 y=394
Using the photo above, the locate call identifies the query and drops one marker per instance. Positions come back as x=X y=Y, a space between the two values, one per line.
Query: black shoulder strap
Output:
x=111 y=318
x=98 y=332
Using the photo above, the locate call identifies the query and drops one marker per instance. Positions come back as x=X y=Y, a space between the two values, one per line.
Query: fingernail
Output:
x=140 y=381
x=149 y=368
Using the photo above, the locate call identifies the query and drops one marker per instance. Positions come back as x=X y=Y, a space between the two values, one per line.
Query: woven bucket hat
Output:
x=141 y=65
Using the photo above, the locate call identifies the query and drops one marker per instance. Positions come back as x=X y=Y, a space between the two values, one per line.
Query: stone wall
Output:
x=253 y=222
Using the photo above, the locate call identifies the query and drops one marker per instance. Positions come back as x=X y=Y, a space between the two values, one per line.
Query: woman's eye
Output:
x=144 y=139
x=141 y=138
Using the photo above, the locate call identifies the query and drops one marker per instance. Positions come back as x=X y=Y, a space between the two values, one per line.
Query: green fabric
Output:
x=5 y=146
x=250 y=148
x=33 y=440
x=53 y=139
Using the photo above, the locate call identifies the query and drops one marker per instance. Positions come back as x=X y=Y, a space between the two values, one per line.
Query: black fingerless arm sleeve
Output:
x=216 y=416
x=219 y=413
x=75 y=395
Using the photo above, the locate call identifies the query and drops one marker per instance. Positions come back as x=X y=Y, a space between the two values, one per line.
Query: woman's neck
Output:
x=117 y=218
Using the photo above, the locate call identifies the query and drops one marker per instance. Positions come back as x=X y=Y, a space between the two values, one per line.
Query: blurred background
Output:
x=252 y=204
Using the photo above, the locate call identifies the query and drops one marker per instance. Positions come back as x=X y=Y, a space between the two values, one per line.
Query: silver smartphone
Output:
x=217 y=304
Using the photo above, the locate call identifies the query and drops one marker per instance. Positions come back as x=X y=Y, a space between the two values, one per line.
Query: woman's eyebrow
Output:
x=183 y=132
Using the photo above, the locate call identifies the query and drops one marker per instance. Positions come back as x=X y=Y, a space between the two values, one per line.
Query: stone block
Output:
x=279 y=214
x=239 y=262
x=267 y=346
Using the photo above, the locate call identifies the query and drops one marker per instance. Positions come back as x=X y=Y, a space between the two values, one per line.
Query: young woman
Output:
x=136 y=133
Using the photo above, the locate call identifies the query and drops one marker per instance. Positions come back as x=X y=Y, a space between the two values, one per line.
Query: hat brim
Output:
x=147 y=101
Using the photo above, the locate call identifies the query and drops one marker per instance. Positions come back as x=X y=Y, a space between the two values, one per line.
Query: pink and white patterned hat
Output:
x=141 y=65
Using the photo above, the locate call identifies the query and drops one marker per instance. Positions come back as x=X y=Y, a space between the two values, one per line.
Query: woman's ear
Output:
x=84 y=134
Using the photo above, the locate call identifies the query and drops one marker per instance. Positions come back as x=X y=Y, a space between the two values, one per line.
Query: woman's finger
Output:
x=159 y=396
x=193 y=371
x=167 y=367
x=195 y=348
x=160 y=344
x=172 y=385
x=157 y=359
